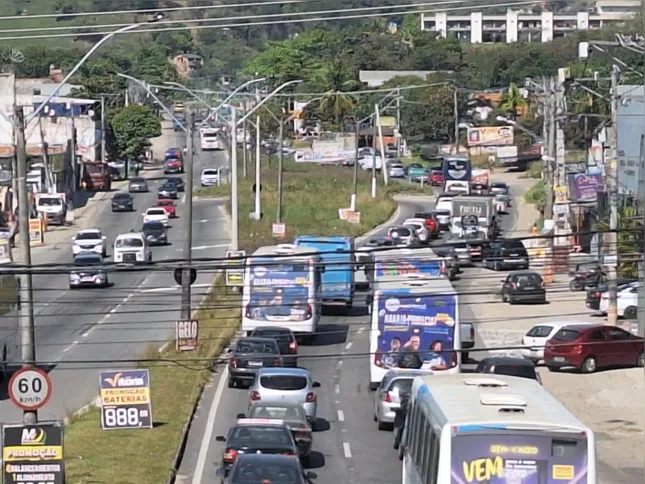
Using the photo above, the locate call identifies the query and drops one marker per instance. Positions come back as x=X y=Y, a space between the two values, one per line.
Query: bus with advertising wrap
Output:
x=413 y=313
x=493 y=429
x=282 y=288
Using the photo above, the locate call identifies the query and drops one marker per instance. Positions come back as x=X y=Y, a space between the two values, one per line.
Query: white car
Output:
x=90 y=240
x=534 y=341
x=626 y=303
x=420 y=228
x=156 y=214
x=403 y=236
x=210 y=177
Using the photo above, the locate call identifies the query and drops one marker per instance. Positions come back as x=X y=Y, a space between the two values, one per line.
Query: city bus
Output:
x=413 y=313
x=282 y=288
x=337 y=256
x=463 y=429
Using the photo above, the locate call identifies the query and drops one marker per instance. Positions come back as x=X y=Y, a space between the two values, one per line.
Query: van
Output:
x=132 y=248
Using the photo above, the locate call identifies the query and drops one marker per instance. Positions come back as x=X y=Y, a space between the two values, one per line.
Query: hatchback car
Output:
x=395 y=385
x=499 y=188
x=287 y=384
x=168 y=190
x=502 y=203
x=138 y=184
x=210 y=177
x=87 y=272
x=286 y=342
x=443 y=217
x=178 y=182
x=462 y=250
x=249 y=355
x=263 y=468
x=436 y=177
x=404 y=236
x=504 y=365
x=419 y=226
x=504 y=254
x=155 y=233
x=591 y=347
x=122 y=202
x=396 y=170
x=523 y=286
x=534 y=341
x=430 y=221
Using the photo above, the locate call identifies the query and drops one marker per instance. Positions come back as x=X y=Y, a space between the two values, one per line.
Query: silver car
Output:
x=395 y=385
x=463 y=253
x=396 y=170
x=293 y=385
x=404 y=236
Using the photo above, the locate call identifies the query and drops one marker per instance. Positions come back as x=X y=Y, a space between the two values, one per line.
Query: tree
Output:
x=512 y=103
x=133 y=126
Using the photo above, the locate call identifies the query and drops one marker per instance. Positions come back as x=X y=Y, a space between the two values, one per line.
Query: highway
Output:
x=136 y=312
x=348 y=447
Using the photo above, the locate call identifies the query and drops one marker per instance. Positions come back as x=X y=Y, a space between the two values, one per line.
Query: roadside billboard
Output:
x=584 y=187
x=125 y=399
x=490 y=136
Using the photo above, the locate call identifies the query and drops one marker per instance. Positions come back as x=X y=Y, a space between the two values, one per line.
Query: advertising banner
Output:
x=332 y=157
x=33 y=453
x=490 y=136
x=186 y=335
x=125 y=399
x=36 y=236
x=517 y=459
x=279 y=292
x=457 y=168
x=480 y=177
x=584 y=187
x=235 y=268
x=400 y=267
x=421 y=324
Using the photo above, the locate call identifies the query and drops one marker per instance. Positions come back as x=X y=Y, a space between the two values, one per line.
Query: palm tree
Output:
x=512 y=102
x=628 y=228
x=336 y=80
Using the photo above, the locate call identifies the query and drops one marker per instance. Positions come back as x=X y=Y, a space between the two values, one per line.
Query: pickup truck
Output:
x=467 y=340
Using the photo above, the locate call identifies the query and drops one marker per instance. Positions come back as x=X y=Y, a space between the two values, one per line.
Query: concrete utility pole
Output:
x=280 y=159
x=244 y=149
x=73 y=156
x=374 y=160
x=612 y=190
x=398 y=122
x=641 y=253
x=455 y=108
x=352 y=199
x=103 y=140
x=27 y=328
x=188 y=218
x=258 y=201
x=550 y=145
x=234 y=194
x=382 y=145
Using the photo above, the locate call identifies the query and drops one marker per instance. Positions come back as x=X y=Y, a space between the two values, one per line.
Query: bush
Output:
x=536 y=194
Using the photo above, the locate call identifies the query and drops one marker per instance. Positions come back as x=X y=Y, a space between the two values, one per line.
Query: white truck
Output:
x=480 y=206
x=54 y=206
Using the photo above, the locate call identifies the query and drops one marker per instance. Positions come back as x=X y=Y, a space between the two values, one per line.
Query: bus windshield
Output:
x=518 y=457
x=279 y=292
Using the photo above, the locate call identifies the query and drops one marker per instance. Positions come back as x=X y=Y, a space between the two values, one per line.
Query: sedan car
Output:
x=523 y=286
x=419 y=226
x=155 y=233
x=396 y=170
x=168 y=191
x=263 y=468
x=591 y=347
x=286 y=342
x=404 y=236
x=89 y=240
x=173 y=165
x=210 y=177
x=178 y=182
x=499 y=188
x=292 y=385
x=250 y=355
x=626 y=302
x=436 y=177
x=138 y=184
x=535 y=340
x=293 y=415
x=256 y=436
x=504 y=365
x=395 y=385
x=87 y=271
x=122 y=202
x=155 y=214
x=169 y=206
x=594 y=294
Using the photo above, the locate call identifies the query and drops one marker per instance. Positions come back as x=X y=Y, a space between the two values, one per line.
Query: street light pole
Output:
x=352 y=200
x=189 y=92
x=258 y=199
x=612 y=189
x=230 y=96
x=280 y=157
x=188 y=219
x=234 y=194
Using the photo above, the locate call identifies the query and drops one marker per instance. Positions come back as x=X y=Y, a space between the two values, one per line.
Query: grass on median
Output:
x=145 y=456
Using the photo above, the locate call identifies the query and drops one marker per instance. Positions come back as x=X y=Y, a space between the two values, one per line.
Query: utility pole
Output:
x=382 y=146
x=188 y=218
x=612 y=189
x=234 y=194
x=27 y=332
x=280 y=156
x=641 y=237
x=455 y=107
x=103 y=141
x=258 y=206
x=352 y=200
x=398 y=122
x=549 y=128
x=244 y=150
x=73 y=154
x=374 y=159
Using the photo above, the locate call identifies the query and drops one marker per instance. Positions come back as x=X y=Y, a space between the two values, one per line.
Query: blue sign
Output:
x=400 y=267
x=421 y=324
x=457 y=168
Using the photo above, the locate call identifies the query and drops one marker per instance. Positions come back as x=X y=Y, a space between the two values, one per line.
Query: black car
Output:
x=286 y=342
x=260 y=468
x=523 y=286
x=87 y=271
x=502 y=254
x=504 y=365
x=248 y=436
x=138 y=184
x=178 y=182
x=249 y=356
x=168 y=190
x=595 y=294
x=155 y=233
x=499 y=188
x=122 y=202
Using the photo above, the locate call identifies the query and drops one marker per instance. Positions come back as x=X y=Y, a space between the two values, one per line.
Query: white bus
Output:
x=282 y=288
x=411 y=313
x=463 y=429
x=209 y=139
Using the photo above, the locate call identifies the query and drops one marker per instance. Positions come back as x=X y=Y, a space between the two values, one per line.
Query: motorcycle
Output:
x=581 y=282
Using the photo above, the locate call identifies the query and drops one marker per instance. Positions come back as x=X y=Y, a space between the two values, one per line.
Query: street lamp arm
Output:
x=275 y=91
x=190 y=92
x=78 y=66
x=163 y=106
x=229 y=97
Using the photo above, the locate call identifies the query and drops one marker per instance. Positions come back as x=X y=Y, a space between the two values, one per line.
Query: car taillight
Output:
x=293 y=346
x=387 y=397
x=302 y=434
x=287 y=453
x=453 y=358
x=233 y=363
x=277 y=362
x=599 y=295
x=576 y=349
x=309 y=312
x=377 y=358
x=229 y=456
x=311 y=397
x=255 y=396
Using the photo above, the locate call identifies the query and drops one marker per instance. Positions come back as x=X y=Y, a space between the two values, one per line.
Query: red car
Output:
x=169 y=206
x=431 y=222
x=591 y=347
x=436 y=178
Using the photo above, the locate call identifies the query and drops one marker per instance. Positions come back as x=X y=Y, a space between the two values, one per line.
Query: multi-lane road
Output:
x=348 y=447
x=103 y=326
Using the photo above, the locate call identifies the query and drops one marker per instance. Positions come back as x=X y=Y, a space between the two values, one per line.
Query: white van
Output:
x=131 y=248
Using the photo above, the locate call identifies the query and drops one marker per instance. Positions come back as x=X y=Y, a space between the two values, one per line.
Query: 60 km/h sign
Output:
x=30 y=388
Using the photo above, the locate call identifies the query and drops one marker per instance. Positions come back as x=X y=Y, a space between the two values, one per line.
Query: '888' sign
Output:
x=125 y=399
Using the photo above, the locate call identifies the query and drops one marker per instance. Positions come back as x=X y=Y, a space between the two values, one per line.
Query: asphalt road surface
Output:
x=99 y=327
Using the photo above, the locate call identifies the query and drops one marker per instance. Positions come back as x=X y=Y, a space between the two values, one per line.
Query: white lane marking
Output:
x=208 y=433
x=339 y=364
x=202 y=221
x=337 y=388
x=347 y=450
x=360 y=330
x=348 y=345
x=183 y=199
x=341 y=416
x=168 y=289
x=214 y=246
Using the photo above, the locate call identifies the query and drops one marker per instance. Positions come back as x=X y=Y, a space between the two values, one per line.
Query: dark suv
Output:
x=503 y=254
x=286 y=342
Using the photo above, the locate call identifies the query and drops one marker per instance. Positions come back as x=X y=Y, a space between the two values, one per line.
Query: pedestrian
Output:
x=491 y=163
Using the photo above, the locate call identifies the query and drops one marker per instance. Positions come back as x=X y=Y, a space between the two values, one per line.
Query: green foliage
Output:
x=536 y=195
x=133 y=126
x=629 y=225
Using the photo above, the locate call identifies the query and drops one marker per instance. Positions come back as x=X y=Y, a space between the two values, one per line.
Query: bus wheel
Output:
x=373 y=386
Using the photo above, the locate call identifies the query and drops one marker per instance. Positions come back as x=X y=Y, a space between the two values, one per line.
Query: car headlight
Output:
x=74 y=277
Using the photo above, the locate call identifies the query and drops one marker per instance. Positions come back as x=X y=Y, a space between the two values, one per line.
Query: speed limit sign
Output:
x=30 y=388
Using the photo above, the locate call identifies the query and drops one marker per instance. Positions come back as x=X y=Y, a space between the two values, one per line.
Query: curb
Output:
x=390 y=221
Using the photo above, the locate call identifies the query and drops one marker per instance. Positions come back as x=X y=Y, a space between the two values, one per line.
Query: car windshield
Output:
x=403 y=386
x=153 y=226
x=249 y=435
x=165 y=203
x=442 y=212
x=287 y=412
x=209 y=172
x=567 y=335
x=258 y=473
x=527 y=280
x=540 y=331
x=167 y=186
x=256 y=347
x=523 y=371
x=88 y=236
x=137 y=180
x=120 y=243
x=122 y=196
x=87 y=261
x=174 y=181
x=49 y=202
x=284 y=382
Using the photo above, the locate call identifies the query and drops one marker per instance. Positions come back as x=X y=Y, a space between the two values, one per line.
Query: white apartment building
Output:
x=511 y=27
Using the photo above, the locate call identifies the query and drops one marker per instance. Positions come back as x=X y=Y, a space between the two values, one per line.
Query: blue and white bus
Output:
x=282 y=288
x=338 y=258
x=411 y=313
x=493 y=429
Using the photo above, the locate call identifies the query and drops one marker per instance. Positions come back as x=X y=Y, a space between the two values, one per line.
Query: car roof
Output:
x=88 y=231
x=508 y=360
x=524 y=273
x=286 y=371
x=255 y=339
x=122 y=194
x=273 y=328
x=583 y=327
